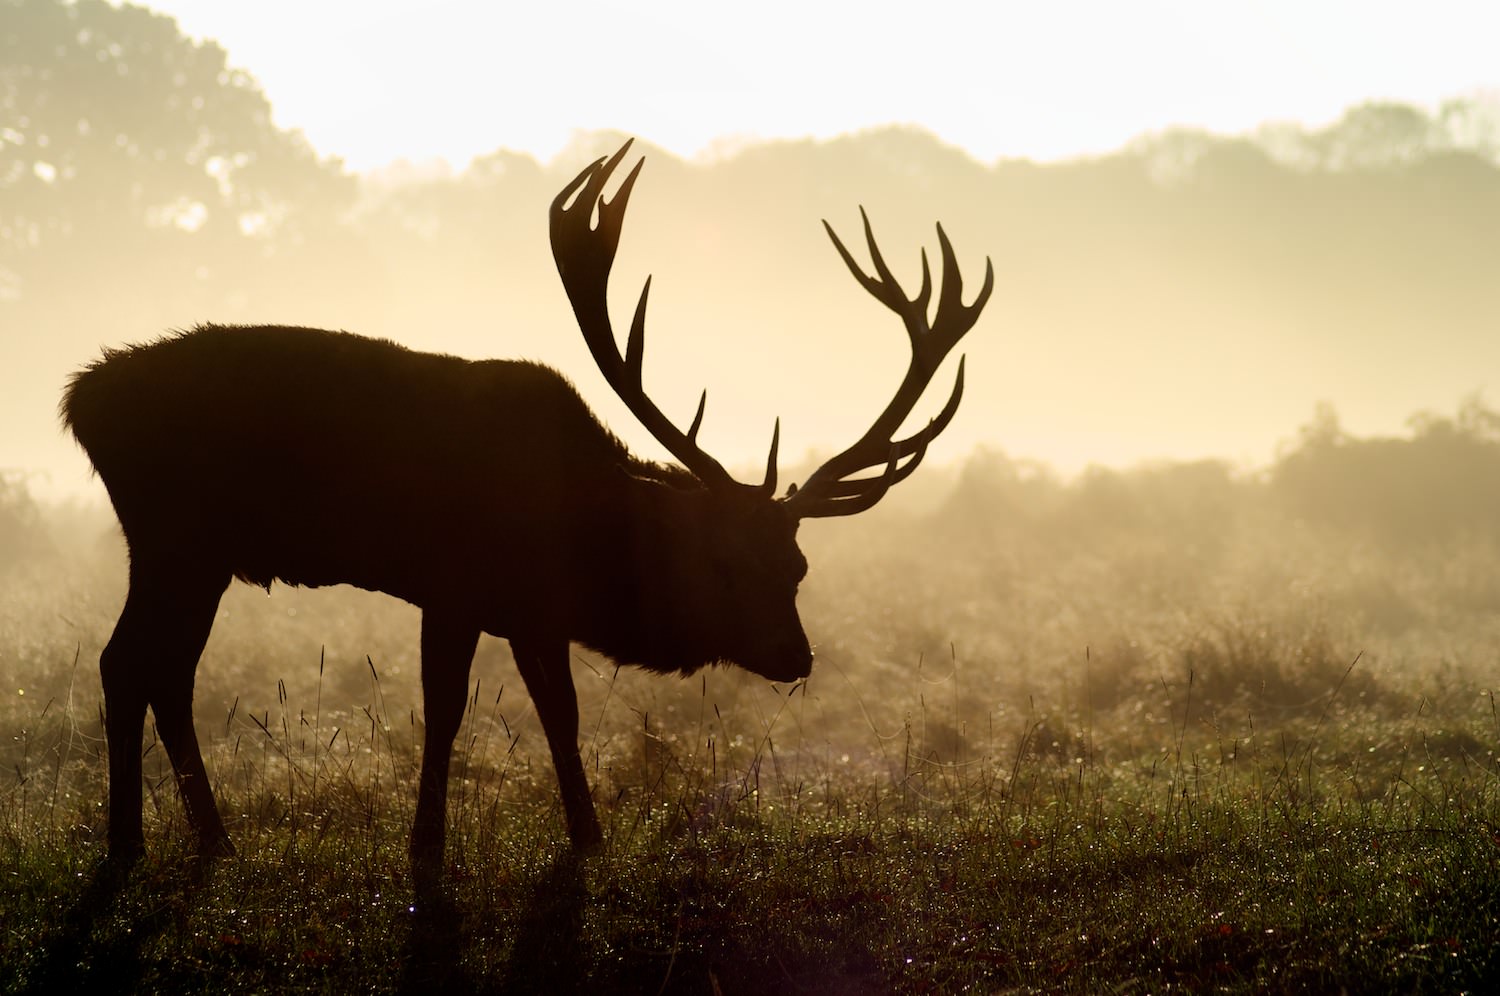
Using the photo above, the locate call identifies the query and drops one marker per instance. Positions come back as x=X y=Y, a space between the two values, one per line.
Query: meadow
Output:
x=1181 y=728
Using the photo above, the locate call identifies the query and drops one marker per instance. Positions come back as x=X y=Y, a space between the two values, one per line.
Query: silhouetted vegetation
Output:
x=1441 y=483
x=22 y=533
x=130 y=146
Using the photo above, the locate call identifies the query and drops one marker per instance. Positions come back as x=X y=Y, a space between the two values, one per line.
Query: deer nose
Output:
x=798 y=662
x=788 y=662
x=807 y=662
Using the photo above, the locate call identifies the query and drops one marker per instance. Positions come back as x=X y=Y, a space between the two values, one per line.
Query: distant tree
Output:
x=1473 y=124
x=995 y=494
x=22 y=535
x=1441 y=483
x=1323 y=431
x=118 y=134
x=1377 y=135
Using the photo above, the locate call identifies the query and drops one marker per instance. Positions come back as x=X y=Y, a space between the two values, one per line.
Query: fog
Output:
x=1190 y=295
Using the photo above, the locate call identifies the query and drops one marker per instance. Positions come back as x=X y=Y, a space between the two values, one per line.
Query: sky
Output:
x=375 y=81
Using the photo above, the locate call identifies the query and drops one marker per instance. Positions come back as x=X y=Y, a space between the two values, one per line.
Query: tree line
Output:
x=1435 y=485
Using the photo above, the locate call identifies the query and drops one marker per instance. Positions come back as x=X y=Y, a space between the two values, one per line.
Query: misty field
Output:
x=1172 y=728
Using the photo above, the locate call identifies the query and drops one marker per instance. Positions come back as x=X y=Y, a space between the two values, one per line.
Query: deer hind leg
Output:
x=150 y=660
x=544 y=669
x=447 y=653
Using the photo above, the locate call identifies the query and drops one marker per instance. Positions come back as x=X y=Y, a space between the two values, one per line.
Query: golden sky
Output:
x=377 y=80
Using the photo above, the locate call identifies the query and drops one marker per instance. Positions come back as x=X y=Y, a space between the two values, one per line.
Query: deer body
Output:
x=484 y=492
x=316 y=458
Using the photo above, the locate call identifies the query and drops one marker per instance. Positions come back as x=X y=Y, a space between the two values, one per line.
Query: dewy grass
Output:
x=744 y=855
x=1102 y=766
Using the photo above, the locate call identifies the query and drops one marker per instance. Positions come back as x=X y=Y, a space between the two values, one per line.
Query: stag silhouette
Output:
x=485 y=493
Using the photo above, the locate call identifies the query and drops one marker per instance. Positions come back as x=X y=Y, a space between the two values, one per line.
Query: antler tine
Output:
x=914 y=446
x=883 y=286
x=913 y=311
x=768 y=483
x=692 y=432
x=849 y=497
x=954 y=318
x=635 y=346
x=829 y=491
x=585 y=254
x=866 y=281
x=940 y=421
x=601 y=250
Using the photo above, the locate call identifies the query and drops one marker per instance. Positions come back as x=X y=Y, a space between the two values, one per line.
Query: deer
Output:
x=484 y=492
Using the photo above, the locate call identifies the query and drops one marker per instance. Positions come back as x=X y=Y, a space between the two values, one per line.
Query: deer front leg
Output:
x=447 y=652
x=544 y=668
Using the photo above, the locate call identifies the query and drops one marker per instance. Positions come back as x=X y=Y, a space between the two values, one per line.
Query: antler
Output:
x=828 y=491
x=584 y=255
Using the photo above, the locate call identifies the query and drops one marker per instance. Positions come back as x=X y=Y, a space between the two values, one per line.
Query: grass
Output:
x=1240 y=781
x=1342 y=850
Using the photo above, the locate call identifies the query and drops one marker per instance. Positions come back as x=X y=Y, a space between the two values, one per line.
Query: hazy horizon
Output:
x=1177 y=293
x=1001 y=80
